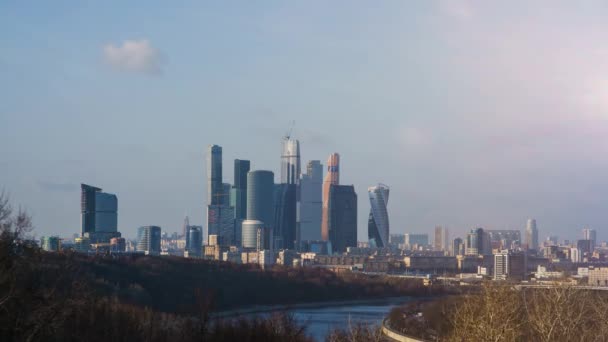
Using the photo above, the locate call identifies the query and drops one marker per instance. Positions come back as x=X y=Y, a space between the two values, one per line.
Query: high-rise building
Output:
x=251 y=230
x=478 y=242
x=457 y=247
x=378 y=224
x=118 y=245
x=591 y=235
x=194 y=244
x=290 y=161
x=148 y=240
x=285 y=216
x=238 y=196
x=220 y=222
x=215 y=187
x=50 y=243
x=442 y=239
x=342 y=210
x=99 y=214
x=260 y=201
x=531 y=235
x=311 y=199
x=185 y=227
x=331 y=178
x=510 y=265
x=220 y=215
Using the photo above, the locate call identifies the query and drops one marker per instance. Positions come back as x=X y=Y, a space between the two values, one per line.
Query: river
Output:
x=321 y=319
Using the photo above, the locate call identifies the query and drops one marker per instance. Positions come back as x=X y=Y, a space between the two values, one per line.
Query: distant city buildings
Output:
x=50 y=243
x=590 y=235
x=378 y=222
x=414 y=241
x=331 y=178
x=99 y=214
x=148 y=240
x=504 y=238
x=442 y=239
x=342 y=214
x=478 y=242
x=531 y=235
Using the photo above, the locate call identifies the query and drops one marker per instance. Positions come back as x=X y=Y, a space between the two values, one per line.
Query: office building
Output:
x=251 y=230
x=260 y=202
x=220 y=215
x=50 y=243
x=531 y=235
x=290 y=161
x=311 y=199
x=478 y=243
x=215 y=187
x=442 y=239
x=238 y=196
x=331 y=178
x=118 y=245
x=194 y=242
x=378 y=223
x=591 y=235
x=220 y=222
x=185 y=226
x=342 y=210
x=575 y=255
x=413 y=241
x=510 y=265
x=99 y=214
x=148 y=240
x=285 y=216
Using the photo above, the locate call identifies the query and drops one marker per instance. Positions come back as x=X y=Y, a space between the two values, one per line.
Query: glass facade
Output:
x=311 y=201
x=342 y=217
x=378 y=224
x=260 y=200
x=331 y=178
x=148 y=240
x=285 y=216
x=290 y=161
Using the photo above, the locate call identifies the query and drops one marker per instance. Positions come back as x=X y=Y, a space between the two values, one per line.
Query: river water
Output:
x=319 y=321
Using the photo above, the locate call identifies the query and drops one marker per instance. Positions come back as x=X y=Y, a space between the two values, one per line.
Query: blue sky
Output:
x=474 y=112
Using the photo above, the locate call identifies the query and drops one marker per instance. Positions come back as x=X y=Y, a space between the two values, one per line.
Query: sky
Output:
x=475 y=113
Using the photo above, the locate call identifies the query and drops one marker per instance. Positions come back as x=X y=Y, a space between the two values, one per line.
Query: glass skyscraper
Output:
x=311 y=201
x=378 y=224
x=260 y=200
x=531 y=234
x=148 y=240
x=215 y=187
x=238 y=197
x=285 y=216
x=342 y=223
x=99 y=214
x=290 y=161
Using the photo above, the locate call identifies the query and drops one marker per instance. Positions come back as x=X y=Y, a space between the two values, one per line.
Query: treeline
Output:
x=178 y=285
x=501 y=313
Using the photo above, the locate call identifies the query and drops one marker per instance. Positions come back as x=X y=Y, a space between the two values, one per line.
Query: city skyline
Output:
x=434 y=98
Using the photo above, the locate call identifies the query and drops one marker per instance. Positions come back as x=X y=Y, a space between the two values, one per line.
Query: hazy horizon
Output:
x=473 y=113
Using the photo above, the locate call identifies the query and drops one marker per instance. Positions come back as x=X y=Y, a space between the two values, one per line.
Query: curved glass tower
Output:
x=290 y=161
x=377 y=226
x=260 y=201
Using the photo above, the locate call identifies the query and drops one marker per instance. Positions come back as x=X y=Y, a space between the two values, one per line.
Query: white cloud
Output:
x=134 y=55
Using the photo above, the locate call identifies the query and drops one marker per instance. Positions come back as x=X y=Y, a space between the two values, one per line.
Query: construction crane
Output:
x=290 y=130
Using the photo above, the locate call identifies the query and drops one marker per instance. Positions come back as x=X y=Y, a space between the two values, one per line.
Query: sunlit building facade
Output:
x=331 y=178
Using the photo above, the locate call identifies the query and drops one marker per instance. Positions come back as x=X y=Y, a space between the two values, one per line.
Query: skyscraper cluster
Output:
x=301 y=208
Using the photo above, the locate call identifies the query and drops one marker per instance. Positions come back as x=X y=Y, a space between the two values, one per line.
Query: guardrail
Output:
x=397 y=336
